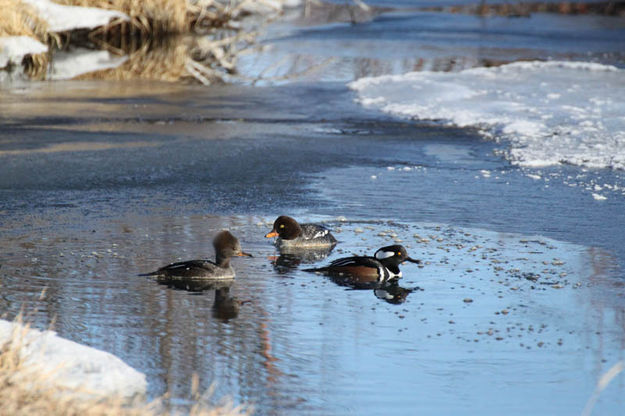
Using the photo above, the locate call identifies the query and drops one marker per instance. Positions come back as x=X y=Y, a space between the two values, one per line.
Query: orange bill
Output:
x=244 y=254
x=273 y=233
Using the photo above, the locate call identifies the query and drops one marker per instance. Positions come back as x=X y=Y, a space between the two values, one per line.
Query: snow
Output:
x=60 y=19
x=64 y=18
x=14 y=48
x=549 y=112
x=75 y=366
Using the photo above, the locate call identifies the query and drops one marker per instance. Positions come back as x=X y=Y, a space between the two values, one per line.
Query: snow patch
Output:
x=549 y=112
x=75 y=366
x=64 y=18
x=14 y=48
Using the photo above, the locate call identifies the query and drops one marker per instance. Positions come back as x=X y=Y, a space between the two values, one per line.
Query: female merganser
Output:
x=292 y=234
x=226 y=245
x=382 y=267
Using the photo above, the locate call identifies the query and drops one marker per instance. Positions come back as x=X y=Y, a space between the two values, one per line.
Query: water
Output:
x=517 y=309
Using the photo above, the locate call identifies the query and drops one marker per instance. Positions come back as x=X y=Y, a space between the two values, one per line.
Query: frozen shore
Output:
x=59 y=18
x=550 y=112
x=73 y=366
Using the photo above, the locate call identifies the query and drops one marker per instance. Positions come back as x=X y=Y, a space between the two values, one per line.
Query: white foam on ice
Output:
x=549 y=112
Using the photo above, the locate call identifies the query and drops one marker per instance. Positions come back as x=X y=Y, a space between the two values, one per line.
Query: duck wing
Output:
x=362 y=267
x=188 y=269
x=313 y=231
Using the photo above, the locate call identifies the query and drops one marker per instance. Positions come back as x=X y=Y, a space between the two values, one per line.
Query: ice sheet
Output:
x=550 y=112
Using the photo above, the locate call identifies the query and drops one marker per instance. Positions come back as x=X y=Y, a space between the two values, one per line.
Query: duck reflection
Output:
x=225 y=307
x=195 y=285
x=392 y=292
x=389 y=291
x=291 y=258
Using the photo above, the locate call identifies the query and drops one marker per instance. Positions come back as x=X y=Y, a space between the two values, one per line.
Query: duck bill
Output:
x=244 y=254
x=411 y=260
x=273 y=233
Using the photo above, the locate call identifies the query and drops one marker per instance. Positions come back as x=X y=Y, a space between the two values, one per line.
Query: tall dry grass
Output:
x=20 y=19
x=154 y=17
x=161 y=17
x=26 y=391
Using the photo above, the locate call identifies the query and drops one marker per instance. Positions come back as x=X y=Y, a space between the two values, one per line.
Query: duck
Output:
x=382 y=267
x=226 y=246
x=291 y=234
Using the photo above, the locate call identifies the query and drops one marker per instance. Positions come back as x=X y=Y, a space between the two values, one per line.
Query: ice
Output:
x=549 y=112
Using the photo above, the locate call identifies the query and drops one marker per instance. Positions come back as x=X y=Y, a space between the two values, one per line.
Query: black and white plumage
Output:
x=226 y=246
x=292 y=234
x=379 y=268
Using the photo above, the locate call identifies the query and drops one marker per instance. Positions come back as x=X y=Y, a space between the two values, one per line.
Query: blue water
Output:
x=518 y=308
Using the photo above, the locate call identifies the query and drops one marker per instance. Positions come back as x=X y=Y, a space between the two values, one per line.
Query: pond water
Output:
x=518 y=307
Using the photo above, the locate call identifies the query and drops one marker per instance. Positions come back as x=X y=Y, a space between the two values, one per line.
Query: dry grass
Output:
x=26 y=391
x=208 y=59
x=152 y=22
x=154 y=17
x=19 y=19
x=166 y=17
x=526 y=8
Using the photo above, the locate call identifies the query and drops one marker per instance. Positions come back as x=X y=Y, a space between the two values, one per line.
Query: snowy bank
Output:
x=13 y=49
x=74 y=366
x=65 y=18
x=550 y=112
x=59 y=18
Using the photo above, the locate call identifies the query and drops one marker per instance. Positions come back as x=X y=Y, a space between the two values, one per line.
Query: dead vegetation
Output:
x=525 y=9
x=25 y=391
x=211 y=30
x=20 y=19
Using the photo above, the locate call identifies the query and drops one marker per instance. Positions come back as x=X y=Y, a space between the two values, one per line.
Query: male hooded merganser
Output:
x=382 y=267
x=292 y=234
x=226 y=245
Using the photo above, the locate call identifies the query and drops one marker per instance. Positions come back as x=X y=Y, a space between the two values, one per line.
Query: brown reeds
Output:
x=153 y=17
x=20 y=19
x=207 y=59
x=150 y=37
x=25 y=390
x=526 y=8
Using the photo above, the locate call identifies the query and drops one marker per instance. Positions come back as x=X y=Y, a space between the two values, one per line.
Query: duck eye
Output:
x=281 y=225
x=399 y=253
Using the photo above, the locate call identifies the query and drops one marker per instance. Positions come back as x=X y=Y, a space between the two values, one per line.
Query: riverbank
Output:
x=43 y=373
x=34 y=33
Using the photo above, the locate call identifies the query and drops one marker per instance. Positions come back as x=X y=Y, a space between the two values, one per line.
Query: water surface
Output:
x=517 y=309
